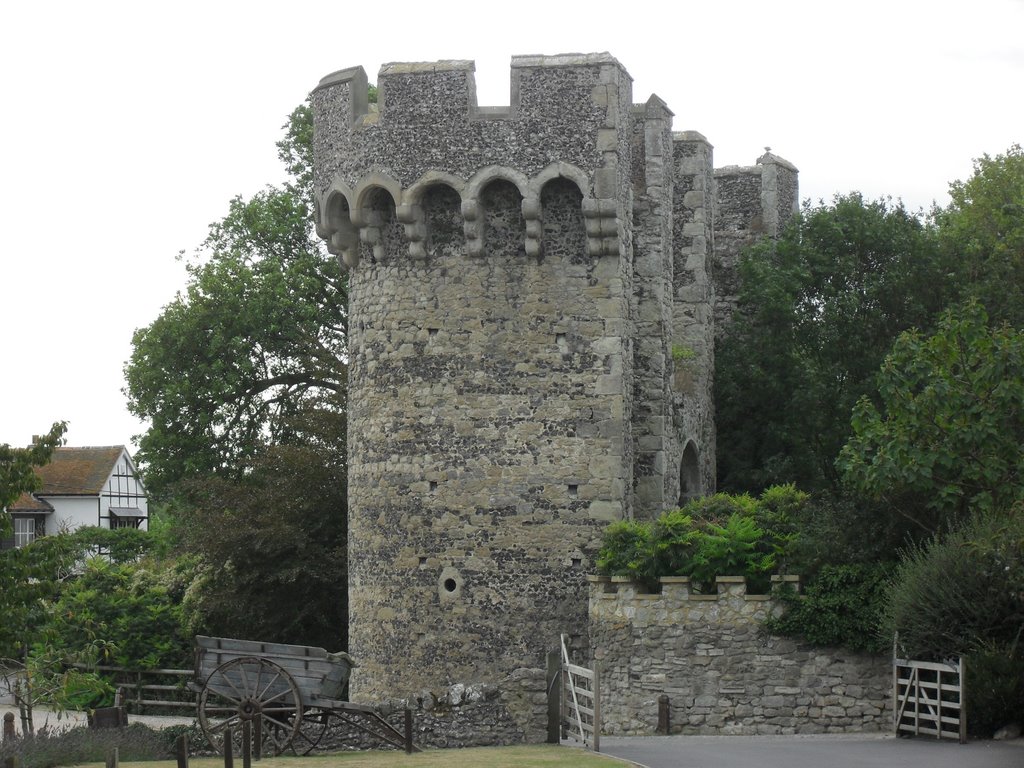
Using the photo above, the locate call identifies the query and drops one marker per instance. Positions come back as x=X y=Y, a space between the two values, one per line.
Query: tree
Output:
x=945 y=439
x=254 y=344
x=271 y=550
x=17 y=469
x=819 y=309
x=983 y=227
x=242 y=378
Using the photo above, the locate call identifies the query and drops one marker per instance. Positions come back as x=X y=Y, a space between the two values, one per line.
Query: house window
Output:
x=126 y=517
x=24 y=531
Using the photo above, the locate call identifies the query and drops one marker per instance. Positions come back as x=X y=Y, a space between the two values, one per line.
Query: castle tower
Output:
x=530 y=353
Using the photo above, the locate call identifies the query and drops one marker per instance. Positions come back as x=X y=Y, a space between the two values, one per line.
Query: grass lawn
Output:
x=539 y=756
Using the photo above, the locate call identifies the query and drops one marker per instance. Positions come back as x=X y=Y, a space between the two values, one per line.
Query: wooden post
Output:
x=9 y=732
x=895 y=687
x=963 y=699
x=257 y=747
x=664 y=722
x=408 y=731
x=597 y=707
x=229 y=749
x=247 y=744
x=113 y=759
x=554 y=679
x=181 y=750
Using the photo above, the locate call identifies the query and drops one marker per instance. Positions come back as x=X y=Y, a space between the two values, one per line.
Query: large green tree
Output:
x=819 y=310
x=271 y=550
x=947 y=438
x=242 y=379
x=254 y=344
x=983 y=228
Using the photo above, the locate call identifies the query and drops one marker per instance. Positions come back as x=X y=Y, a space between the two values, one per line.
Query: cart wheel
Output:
x=251 y=689
x=311 y=731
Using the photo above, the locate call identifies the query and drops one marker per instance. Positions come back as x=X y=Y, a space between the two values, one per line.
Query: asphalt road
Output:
x=812 y=752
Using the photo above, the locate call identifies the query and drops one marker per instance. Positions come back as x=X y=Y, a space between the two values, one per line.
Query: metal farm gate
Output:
x=929 y=699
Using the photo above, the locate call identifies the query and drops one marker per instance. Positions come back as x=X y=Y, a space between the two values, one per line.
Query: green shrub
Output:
x=127 y=607
x=962 y=593
x=843 y=605
x=995 y=688
x=961 y=589
x=720 y=535
x=730 y=550
x=627 y=551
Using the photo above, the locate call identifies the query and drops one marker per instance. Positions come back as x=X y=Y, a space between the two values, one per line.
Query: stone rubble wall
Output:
x=721 y=672
x=513 y=711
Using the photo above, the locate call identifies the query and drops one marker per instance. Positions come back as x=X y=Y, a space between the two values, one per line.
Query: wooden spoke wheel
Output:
x=311 y=731
x=253 y=690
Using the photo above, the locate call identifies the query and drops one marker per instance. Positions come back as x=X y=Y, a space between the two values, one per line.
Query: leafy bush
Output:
x=963 y=594
x=720 y=535
x=127 y=607
x=628 y=550
x=995 y=688
x=961 y=589
x=843 y=606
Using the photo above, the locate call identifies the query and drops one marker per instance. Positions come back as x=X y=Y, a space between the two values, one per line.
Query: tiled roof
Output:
x=29 y=503
x=78 y=471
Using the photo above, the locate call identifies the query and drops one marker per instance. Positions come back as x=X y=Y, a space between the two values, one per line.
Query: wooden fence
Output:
x=581 y=701
x=929 y=699
x=146 y=690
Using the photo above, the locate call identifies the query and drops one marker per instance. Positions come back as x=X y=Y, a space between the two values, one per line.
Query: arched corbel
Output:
x=602 y=223
x=534 y=227
x=334 y=223
x=473 y=227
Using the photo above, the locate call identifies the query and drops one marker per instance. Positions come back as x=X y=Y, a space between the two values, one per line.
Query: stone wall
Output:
x=721 y=672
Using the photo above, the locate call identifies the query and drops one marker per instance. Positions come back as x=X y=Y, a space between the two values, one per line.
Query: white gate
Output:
x=581 y=701
x=929 y=699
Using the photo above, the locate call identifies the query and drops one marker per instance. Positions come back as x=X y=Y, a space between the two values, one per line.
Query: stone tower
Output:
x=532 y=316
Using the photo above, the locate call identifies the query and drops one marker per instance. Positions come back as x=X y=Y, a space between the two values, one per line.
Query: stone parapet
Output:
x=722 y=673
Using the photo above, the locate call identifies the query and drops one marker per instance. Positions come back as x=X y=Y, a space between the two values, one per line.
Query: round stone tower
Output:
x=513 y=300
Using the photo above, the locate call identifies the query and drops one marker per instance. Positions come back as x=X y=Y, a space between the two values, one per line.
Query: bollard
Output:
x=664 y=721
x=113 y=759
x=247 y=744
x=229 y=749
x=9 y=732
x=257 y=751
x=181 y=750
x=408 y=731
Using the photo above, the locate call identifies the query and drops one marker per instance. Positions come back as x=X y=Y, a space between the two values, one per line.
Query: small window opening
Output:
x=574 y=490
x=449 y=585
x=433 y=485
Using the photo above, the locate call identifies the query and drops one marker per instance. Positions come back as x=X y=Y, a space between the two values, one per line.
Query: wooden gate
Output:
x=580 y=701
x=929 y=699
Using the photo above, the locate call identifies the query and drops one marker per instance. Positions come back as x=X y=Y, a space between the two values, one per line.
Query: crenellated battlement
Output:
x=727 y=598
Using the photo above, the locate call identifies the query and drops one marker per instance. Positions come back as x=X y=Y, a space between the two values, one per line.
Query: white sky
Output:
x=127 y=127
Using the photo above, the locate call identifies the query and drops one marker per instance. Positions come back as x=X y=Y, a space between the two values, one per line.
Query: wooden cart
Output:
x=291 y=694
